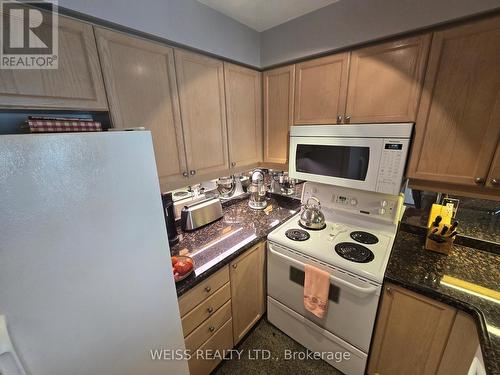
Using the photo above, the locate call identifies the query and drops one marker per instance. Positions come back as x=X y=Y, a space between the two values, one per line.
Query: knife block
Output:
x=438 y=247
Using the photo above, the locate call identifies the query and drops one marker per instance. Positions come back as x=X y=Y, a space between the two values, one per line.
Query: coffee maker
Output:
x=168 y=211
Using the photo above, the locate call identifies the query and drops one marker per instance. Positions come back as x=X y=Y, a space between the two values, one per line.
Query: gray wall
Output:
x=350 y=22
x=183 y=21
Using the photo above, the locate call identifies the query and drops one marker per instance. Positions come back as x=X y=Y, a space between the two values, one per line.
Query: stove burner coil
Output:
x=297 y=234
x=354 y=252
x=364 y=237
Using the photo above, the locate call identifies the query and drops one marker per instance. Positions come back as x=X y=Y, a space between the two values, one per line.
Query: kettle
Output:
x=311 y=216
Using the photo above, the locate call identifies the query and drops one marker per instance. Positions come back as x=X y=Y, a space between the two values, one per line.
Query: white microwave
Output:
x=362 y=156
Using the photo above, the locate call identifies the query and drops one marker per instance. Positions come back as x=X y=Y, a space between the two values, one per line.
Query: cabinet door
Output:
x=457 y=130
x=244 y=115
x=247 y=290
x=142 y=91
x=278 y=113
x=494 y=175
x=75 y=84
x=461 y=347
x=411 y=333
x=203 y=111
x=321 y=89
x=385 y=81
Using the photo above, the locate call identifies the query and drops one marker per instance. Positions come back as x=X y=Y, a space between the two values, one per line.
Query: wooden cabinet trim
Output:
x=243 y=294
x=489 y=139
x=167 y=107
x=422 y=43
x=203 y=290
x=208 y=328
x=431 y=359
x=51 y=84
x=268 y=126
x=234 y=112
x=205 y=309
x=197 y=153
x=337 y=98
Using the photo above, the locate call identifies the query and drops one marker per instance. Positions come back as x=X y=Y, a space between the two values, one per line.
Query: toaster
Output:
x=196 y=215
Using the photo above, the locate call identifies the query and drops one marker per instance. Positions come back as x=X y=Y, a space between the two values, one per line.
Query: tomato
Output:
x=183 y=267
x=174 y=260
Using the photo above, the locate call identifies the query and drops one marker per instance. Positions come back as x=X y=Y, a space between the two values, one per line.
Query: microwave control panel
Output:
x=392 y=166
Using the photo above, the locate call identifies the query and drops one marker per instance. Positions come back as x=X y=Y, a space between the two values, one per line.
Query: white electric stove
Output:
x=354 y=248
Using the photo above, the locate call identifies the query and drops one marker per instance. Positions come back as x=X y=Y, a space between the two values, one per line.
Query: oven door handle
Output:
x=368 y=290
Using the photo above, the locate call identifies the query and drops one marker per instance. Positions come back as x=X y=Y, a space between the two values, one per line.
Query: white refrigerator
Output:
x=86 y=286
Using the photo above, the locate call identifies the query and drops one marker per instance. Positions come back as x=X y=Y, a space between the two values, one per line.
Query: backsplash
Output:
x=478 y=218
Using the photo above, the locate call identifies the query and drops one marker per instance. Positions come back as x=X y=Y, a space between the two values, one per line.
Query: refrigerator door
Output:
x=85 y=276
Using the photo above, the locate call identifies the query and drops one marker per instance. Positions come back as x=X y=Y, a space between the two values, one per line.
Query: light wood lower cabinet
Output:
x=219 y=311
x=278 y=88
x=418 y=335
x=200 y=81
x=457 y=128
x=142 y=91
x=244 y=116
x=248 y=290
x=75 y=84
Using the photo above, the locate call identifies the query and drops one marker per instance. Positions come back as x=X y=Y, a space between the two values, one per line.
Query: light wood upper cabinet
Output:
x=410 y=335
x=278 y=87
x=200 y=81
x=244 y=115
x=76 y=84
x=247 y=274
x=142 y=91
x=457 y=128
x=385 y=81
x=494 y=176
x=320 y=89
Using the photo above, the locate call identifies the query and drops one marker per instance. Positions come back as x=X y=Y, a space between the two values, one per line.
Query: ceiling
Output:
x=261 y=15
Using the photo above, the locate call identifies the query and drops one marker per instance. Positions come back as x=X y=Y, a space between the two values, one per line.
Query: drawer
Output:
x=201 y=292
x=221 y=340
x=205 y=310
x=208 y=328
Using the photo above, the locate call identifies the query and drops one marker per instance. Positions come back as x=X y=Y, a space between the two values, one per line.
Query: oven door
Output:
x=348 y=162
x=352 y=303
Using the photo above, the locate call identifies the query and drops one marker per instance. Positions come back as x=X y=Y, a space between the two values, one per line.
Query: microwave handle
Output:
x=368 y=290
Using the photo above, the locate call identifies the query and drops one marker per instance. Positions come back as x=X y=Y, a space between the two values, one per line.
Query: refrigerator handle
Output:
x=7 y=348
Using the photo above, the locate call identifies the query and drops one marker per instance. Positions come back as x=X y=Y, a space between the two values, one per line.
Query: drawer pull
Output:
x=210 y=310
x=208 y=289
x=211 y=328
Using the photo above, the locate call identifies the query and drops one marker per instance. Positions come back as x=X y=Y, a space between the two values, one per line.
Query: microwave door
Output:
x=348 y=162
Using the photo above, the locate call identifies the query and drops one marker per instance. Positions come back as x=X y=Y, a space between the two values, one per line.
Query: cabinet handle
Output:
x=389 y=290
x=339 y=119
x=494 y=181
x=479 y=180
x=347 y=119
x=192 y=172
x=233 y=164
x=185 y=174
x=210 y=310
x=235 y=265
x=208 y=289
x=211 y=328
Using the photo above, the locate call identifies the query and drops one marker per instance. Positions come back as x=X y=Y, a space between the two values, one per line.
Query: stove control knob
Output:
x=383 y=203
x=354 y=202
x=381 y=211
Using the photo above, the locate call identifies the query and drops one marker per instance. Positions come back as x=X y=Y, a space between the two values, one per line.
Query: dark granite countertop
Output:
x=423 y=271
x=241 y=227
